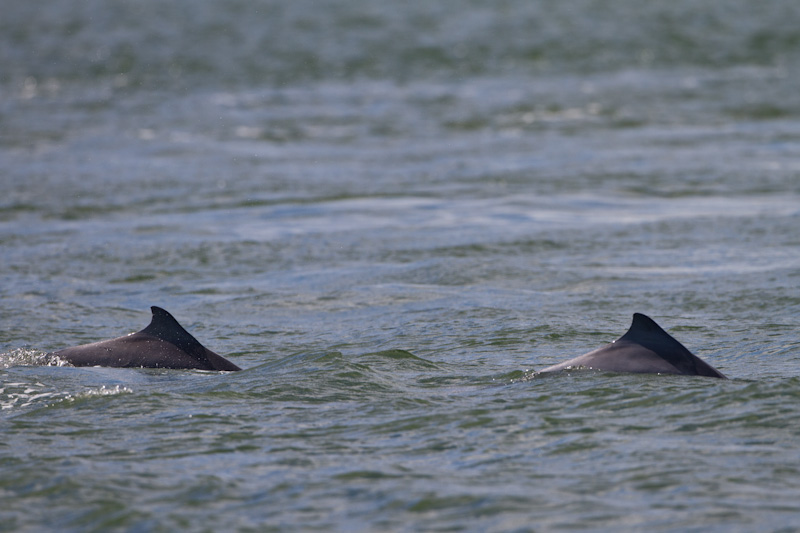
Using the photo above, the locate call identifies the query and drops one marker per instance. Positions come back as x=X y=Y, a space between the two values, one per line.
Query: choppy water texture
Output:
x=391 y=214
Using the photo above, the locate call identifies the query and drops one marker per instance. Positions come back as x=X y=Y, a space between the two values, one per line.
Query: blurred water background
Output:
x=391 y=214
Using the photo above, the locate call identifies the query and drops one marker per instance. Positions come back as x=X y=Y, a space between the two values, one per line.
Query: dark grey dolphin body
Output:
x=645 y=348
x=162 y=344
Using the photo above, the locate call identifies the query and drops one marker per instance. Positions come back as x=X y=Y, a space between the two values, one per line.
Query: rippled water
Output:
x=391 y=216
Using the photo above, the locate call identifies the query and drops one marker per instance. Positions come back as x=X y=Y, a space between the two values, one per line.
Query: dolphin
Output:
x=645 y=348
x=162 y=344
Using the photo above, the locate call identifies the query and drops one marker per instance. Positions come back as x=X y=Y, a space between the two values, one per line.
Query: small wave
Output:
x=29 y=357
x=19 y=394
x=13 y=395
x=102 y=391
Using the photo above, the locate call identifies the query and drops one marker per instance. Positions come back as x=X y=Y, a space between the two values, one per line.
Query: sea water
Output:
x=391 y=215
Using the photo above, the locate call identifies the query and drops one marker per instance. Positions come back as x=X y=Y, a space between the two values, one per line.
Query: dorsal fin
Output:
x=643 y=325
x=164 y=326
x=646 y=332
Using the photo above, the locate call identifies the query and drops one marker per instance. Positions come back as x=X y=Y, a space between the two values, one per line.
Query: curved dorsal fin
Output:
x=644 y=325
x=646 y=332
x=163 y=326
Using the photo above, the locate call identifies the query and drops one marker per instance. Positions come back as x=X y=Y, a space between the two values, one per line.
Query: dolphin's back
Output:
x=644 y=348
x=162 y=344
